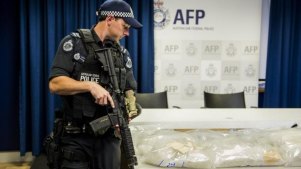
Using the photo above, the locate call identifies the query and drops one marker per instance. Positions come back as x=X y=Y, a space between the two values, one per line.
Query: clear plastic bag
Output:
x=289 y=142
x=214 y=149
x=245 y=148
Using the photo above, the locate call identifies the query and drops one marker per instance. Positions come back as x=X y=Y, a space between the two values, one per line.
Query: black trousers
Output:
x=84 y=151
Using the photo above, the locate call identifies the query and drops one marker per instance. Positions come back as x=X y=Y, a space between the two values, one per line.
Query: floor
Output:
x=24 y=165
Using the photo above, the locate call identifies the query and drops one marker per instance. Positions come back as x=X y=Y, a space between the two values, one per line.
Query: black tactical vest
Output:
x=91 y=69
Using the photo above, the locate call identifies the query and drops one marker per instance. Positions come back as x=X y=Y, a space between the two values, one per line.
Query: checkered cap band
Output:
x=118 y=14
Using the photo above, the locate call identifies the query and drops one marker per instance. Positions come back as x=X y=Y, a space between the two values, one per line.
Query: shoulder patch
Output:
x=128 y=63
x=68 y=46
x=126 y=57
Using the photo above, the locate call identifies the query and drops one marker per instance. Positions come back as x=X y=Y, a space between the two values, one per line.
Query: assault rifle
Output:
x=116 y=117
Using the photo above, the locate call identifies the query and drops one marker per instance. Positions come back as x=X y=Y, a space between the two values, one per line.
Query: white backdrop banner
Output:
x=206 y=45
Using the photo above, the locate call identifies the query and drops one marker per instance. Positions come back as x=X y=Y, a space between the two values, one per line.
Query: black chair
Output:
x=152 y=100
x=231 y=100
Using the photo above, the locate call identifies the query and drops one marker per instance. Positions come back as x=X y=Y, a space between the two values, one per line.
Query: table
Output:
x=219 y=118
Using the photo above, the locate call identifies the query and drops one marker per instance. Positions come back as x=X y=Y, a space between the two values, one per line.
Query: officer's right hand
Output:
x=101 y=95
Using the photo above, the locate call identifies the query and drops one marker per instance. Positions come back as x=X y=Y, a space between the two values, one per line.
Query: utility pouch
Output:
x=52 y=147
x=100 y=125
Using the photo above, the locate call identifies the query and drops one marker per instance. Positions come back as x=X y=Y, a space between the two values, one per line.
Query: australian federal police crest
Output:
x=161 y=15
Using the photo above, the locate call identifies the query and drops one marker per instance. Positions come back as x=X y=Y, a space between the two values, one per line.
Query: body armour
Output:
x=89 y=68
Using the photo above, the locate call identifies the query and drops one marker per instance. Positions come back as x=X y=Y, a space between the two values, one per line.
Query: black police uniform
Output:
x=81 y=149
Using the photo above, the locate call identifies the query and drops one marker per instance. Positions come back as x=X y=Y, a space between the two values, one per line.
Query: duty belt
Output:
x=82 y=128
x=74 y=156
x=73 y=128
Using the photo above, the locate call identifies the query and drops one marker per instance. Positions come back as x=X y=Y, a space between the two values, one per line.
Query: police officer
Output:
x=77 y=76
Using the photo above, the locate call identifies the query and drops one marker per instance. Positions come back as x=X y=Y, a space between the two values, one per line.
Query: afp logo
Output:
x=231 y=70
x=231 y=50
x=211 y=89
x=190 y=90
x=229 y=89
x=161 y=15
x=171 y=49
x=191 y=49
x=211 y=70
x=171 y=70
x=191 y=69
x=250 y=71
x=185 y=17
x=251 y=50
x=250 y=89
x=211 y=48
x=171 y=88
